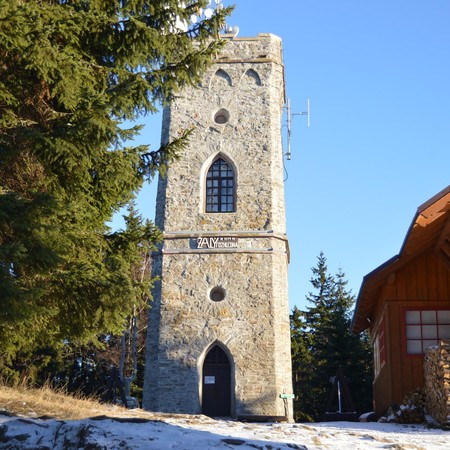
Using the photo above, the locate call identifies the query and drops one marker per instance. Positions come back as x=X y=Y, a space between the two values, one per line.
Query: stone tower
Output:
x=218 y=336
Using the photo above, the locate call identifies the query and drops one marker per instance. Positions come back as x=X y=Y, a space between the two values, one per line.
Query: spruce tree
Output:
x=88 y=369
x=302 y=377
x=322 y=343
x=73 y=74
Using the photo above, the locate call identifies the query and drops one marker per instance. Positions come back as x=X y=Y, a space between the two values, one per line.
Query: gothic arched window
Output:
x=220 y=187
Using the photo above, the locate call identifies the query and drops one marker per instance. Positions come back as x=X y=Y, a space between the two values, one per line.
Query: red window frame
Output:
x=421 y=327
x=380 y=348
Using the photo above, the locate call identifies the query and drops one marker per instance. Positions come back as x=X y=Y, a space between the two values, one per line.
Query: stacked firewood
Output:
x=411 y=411
x=437 y=381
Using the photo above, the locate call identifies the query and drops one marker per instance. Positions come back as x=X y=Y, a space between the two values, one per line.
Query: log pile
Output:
x=411 y=411
x=437 y=381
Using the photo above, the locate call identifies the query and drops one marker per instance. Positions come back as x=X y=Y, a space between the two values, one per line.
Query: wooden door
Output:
x=216 y=400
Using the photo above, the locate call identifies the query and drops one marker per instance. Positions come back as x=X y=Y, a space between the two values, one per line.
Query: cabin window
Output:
x=379 y=349
x=220 y=187
x=424 y=328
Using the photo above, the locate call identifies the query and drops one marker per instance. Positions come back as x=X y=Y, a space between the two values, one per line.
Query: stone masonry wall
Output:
x=243 y=322
x=251 y=140
x=252 y=322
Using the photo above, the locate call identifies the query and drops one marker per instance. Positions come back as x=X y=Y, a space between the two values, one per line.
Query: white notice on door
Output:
x=210 y=380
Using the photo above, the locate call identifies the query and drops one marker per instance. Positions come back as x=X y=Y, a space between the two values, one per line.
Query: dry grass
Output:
x=31 y=402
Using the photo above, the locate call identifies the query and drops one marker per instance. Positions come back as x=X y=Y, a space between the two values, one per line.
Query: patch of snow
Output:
x=202 y=433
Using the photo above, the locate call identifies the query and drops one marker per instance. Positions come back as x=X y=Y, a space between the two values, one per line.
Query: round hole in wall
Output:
x=222 y=116
x=217 y=294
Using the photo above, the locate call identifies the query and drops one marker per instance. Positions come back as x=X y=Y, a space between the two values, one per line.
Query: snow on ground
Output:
x=202 y=433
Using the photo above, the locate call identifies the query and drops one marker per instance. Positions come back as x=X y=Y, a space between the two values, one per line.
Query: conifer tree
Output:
x=73 y=74
x=302 y=377
x=90 y=370
x=322 y=343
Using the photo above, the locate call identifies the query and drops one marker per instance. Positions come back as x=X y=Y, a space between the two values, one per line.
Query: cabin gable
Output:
x=405 y=304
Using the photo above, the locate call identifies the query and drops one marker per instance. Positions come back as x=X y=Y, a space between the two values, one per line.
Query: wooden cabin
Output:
x=405 y=303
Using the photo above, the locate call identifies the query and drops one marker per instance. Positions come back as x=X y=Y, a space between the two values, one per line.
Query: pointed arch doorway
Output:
x=216 y=384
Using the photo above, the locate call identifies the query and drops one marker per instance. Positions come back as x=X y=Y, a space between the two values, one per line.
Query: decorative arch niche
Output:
x=251 y=77
x=220 y=79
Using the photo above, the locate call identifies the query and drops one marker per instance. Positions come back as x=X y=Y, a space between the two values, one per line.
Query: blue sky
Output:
x=377 y=74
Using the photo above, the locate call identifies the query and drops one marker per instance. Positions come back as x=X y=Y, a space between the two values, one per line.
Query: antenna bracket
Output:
x=290 y=115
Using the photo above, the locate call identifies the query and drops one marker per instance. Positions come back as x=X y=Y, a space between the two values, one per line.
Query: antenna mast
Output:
x=289 y=115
